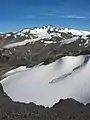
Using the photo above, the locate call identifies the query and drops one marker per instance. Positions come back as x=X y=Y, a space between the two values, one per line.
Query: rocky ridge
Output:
x=68 y=109
x=52 y=44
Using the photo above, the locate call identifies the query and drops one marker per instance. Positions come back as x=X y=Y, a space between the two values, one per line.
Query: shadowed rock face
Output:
x=68 y=109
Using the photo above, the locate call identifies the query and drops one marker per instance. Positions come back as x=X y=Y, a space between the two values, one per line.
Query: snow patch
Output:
x=24 y=42
x=33 y=85
x=80 y=45
x=67 y=41
x=25 y=30
x=22 y=35
x=8 y=35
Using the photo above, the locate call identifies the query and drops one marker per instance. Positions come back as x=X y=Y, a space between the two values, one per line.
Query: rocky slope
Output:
x=30 y=47
x=68 y=109
x=45 y=44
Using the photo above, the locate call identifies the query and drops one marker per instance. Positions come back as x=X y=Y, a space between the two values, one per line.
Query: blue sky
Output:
x=18 y=14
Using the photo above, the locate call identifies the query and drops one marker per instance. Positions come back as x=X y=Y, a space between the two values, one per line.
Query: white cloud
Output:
x=66 y=16
x=74 y=17
x=48 y=14
x=43 y=15
x=30 y=16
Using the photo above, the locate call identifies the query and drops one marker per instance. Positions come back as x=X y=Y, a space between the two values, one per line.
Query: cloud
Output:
x=34 y=17
x=74 y=17
x=65 y=16
x=48 y=14
x=43 y=15
x=30 y=16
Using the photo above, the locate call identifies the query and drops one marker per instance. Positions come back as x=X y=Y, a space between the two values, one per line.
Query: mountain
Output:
x=43 y=65
x=48 y=51
x=43 y=32
x=46 y=44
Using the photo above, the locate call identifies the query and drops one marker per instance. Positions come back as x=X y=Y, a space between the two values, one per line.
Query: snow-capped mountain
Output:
x=47 y=43
x=43 y=31
x=52 y=29
x=47 y=35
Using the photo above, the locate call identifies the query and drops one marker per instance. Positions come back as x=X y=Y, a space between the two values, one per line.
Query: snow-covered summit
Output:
x=45 y=30
x=76 y=32
x=51 y=31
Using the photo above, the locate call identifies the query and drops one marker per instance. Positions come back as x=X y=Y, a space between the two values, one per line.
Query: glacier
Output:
x=45 y=85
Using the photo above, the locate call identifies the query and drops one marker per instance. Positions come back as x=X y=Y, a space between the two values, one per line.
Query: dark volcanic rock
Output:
x=68 y=109
x=85 y=52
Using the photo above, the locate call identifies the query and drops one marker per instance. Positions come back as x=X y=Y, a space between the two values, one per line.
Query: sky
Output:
x=19 y=14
